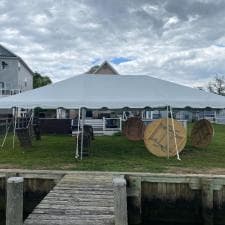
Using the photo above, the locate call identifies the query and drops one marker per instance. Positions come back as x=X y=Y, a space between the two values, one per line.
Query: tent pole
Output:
x=82 y=134
x=174 y=133
x=14 y=129
x=31 y=122
x=167 y=132
x=78 y=132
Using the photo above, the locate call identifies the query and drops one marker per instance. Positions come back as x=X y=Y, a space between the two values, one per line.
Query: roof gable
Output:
x=104 y=68
x=5 y=52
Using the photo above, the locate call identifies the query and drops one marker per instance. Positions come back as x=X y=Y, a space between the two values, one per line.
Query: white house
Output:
x=15 y=75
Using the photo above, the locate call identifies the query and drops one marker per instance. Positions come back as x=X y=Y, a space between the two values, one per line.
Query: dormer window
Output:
x=4 y=65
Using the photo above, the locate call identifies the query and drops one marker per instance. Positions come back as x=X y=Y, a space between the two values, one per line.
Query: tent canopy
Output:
x=113 y=92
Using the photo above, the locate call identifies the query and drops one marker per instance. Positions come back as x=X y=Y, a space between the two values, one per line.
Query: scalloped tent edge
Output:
x=113 y=92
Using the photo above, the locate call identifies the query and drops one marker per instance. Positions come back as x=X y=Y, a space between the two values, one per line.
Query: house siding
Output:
x=4 y=52
x=25 y=78
x=9 y=75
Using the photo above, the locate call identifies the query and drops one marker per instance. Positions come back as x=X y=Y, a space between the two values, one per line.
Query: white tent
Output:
x=113 y=92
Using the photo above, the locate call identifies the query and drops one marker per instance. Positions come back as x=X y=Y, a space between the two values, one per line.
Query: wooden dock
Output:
x=81 y=199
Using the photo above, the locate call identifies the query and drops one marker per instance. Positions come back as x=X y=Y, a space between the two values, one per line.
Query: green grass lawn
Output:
x=114 y=153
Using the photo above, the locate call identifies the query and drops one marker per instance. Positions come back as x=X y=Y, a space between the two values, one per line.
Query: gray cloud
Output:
x=177 y=40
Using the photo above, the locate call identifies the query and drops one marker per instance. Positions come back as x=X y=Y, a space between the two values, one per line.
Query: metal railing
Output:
x=112 y=124
x=101 y=125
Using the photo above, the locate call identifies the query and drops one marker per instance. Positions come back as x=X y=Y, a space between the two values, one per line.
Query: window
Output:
x=4 y=65
x=19 y=65
x=25 y=82
x=2 y=85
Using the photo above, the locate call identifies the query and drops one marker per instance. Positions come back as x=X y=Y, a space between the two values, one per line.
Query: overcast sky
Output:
x=177 y=40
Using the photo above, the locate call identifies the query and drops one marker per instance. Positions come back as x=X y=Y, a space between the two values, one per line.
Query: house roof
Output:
x=10 y=55
x=114 y=92
x=101 y=69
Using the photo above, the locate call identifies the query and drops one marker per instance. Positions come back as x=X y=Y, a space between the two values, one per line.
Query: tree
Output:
x=40 y=81
x=217 y=86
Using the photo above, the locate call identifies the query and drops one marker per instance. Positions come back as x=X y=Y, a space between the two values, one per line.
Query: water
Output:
x=2 y=217
x=34 y=191
x=31 y=199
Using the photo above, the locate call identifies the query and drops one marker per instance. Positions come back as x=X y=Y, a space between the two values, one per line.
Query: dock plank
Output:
x=77 y=199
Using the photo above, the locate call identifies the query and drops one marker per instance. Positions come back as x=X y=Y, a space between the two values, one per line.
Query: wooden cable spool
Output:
x=201 y=134
x=159 y=139
x=134 y=129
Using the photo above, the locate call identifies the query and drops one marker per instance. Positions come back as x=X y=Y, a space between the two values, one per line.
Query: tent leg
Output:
x=82 y=134
x=78 y=132
x=167 y=133
x=174 y=133
x=32 y=122
x=14 y=128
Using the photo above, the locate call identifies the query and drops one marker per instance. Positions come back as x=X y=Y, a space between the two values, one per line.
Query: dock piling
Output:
x=120 y=201
x=14 y=204
x=207 y=202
